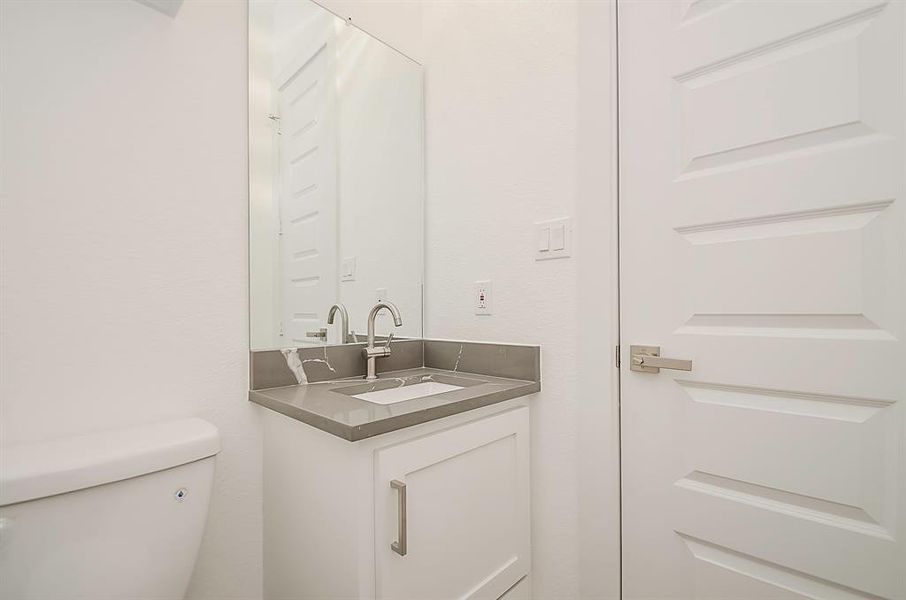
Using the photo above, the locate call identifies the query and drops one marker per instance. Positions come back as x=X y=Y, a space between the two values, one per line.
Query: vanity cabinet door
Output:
x=466 y=513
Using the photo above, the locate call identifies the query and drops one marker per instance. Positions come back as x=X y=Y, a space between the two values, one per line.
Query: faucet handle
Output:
x=320 y=334
x=371 y=351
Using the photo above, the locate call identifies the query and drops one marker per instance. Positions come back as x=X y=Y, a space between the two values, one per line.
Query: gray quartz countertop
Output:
x=329 y=405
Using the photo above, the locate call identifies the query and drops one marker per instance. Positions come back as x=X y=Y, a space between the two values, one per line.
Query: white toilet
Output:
x=112 y=515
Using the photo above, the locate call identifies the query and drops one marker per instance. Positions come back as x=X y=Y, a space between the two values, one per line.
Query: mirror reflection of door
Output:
x=336 y=177
x=305 y=63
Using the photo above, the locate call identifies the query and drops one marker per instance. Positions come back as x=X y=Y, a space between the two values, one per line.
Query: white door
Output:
x=763 y=237
x=463 y=495
x=306 y=96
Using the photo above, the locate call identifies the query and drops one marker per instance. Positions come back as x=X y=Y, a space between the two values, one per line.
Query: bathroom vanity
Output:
x=375 y=489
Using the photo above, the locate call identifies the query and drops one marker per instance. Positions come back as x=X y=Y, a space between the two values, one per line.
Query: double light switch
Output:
x=552 y=238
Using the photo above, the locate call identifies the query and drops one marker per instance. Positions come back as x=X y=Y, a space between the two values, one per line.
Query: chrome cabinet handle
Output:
x=399 y=546
x=648 y=359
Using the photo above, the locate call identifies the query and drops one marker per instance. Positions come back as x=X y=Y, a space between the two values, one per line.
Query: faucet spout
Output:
x=371 y=352
x=394 y=311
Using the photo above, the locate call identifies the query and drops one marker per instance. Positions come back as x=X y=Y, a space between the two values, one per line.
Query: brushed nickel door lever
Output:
x=648 y=359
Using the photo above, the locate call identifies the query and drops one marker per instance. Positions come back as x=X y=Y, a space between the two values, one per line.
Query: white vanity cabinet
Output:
x=435 y=511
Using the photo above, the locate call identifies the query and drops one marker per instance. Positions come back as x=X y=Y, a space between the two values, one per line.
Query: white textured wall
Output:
x=520 y=128
x=124 y=240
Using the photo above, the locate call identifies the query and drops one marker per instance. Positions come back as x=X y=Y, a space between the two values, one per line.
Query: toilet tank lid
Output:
x=37 y=470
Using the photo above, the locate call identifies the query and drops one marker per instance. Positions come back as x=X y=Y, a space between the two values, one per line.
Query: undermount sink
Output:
x=393 y=390
x=408 y=392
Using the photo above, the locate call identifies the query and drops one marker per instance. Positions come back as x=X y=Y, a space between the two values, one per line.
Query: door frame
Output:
x=596 y=256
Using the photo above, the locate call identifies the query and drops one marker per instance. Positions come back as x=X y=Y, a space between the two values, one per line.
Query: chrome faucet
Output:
x=372 y=353
x=344 y=320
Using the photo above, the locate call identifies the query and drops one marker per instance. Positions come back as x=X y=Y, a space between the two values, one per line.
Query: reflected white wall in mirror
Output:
x=336 y=181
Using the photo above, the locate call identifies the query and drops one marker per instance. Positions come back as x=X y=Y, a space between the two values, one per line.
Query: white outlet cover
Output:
x=482 y=297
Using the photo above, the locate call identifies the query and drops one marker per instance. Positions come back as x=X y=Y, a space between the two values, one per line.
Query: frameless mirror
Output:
x=336 y=178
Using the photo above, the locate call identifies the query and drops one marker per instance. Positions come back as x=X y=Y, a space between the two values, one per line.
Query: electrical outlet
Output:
x=483 y=297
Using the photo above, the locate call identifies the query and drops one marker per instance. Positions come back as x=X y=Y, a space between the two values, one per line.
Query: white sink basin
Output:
x=408 y=392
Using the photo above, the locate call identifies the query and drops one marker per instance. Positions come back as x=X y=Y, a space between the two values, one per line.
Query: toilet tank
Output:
x=111 y=515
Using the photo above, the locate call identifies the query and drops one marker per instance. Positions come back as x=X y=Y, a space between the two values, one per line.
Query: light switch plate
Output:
x=543 y=233
x=558 y=237
x=553 y=238
x=482 y=297
x=347 y=269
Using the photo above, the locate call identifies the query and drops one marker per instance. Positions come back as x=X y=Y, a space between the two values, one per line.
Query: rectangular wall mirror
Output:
x=336 y=178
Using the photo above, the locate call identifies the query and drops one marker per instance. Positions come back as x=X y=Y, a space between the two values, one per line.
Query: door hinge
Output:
x=616 y=356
